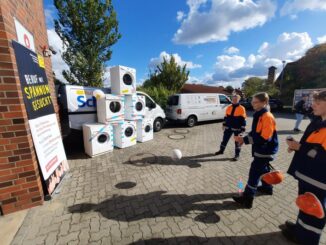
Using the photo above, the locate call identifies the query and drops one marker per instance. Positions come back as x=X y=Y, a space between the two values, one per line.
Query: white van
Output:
x=78 y=106
x=193 y=108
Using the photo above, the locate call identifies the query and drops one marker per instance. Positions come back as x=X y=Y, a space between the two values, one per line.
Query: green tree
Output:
x=167 y=79
x=169 y=75
x=255 y=84
x=88 y=29
x=229 y=89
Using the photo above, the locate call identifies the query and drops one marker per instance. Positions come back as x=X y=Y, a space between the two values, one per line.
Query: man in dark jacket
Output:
x=234 y=123
x=309 y=168
x=300 y=111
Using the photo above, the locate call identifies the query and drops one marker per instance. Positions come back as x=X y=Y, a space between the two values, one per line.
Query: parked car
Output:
x=193 y=108
x=275 y=104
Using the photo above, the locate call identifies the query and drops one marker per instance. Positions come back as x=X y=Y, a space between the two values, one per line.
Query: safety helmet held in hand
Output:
x=310 y=204
x=273 y=178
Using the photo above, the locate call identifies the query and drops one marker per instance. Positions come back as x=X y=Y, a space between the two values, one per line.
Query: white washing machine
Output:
x=123 y=80
x=134 y=107
x=145 y=130
x=110 y=108
x=98 y=138
x=125 y=134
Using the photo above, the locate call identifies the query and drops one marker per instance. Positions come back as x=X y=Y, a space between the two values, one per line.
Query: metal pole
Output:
x=283 y=62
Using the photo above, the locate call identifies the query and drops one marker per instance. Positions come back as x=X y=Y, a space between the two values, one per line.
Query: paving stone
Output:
x=173 y=202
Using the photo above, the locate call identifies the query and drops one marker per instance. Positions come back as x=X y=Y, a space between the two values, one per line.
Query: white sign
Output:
x=24 y=37
x=48 y=143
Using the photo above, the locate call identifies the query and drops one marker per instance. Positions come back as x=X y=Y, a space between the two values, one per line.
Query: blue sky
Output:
x=223 y=42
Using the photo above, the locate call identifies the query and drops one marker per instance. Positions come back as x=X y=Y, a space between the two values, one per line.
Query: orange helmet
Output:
x=272 y=178
x=310 y=204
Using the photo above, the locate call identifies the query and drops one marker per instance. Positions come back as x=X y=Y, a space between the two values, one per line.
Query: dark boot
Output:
x=289 y=232
x=245 y=201
x=265 y=191
x=236 y=158
x=220 y=152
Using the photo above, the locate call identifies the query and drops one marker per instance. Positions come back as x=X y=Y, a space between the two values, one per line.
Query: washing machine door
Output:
x=115 y=106
x=102 y=138
x=139 y=106
x=127 y=79
x=147 y=128
x=129 y=131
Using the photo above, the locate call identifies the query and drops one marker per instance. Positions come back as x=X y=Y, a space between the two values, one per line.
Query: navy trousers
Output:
x=258 y=167
x=309 y=228
x=226 y=137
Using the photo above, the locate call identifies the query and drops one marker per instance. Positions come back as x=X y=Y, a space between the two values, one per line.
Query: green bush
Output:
x=160 y=94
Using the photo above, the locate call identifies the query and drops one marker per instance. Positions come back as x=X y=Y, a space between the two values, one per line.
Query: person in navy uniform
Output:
x=234 y=123
x=308 y=166
x=264 y=141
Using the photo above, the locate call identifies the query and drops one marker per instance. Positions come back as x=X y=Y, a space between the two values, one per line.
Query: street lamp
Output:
x=282 y=78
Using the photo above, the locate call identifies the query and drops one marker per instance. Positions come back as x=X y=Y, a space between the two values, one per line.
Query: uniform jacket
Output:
x=263 y=135
x=309 y=162
x=235 y=118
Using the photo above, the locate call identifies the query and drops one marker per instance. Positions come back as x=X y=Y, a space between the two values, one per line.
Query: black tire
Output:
x=191 y=121
x=158 y=124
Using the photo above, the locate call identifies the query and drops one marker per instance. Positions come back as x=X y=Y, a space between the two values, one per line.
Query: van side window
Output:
x=149 y=102
x=224 y=99
x=173 y=100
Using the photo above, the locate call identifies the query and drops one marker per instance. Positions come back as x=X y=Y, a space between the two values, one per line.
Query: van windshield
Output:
x=173 y=100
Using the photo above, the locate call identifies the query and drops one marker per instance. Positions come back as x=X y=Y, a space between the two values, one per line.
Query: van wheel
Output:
x=158 y=124
x=191 y=121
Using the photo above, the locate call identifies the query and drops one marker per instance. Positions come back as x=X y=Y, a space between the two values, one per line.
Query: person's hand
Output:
x=239 y=139
x=293 y=145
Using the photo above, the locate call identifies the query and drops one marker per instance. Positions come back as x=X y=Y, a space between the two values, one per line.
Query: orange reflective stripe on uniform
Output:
x=318 y=137
x=266 y=126
x=310 y=204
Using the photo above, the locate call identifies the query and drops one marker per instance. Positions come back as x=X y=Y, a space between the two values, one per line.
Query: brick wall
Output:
x=20 y=183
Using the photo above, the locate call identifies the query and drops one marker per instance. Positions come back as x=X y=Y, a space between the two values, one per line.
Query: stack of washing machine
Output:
x=121 y=115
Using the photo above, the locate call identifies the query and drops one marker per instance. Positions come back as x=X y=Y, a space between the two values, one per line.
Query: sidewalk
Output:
x=110 y=200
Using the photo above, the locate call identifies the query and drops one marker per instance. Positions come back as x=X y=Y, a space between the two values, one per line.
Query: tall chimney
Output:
x=271 y=74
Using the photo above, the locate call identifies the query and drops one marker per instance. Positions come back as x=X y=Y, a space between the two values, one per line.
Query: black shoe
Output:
x=236 y=158
x=289 y=232
x=245 y=201
x=265 y=191
x=296 y=130
x=290 y=225
x=219 y=152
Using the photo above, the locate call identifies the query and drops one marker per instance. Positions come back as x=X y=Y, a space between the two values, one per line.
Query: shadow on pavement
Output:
x=190 y=161
x=266 y=238
x=159 y=204
x=288 y=132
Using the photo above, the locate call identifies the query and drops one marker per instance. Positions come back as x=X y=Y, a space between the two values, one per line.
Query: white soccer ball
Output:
x=176 y=154
x=98 y=94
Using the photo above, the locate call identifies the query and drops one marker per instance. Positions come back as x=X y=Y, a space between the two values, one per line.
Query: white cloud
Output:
x=58 y=64
x=49 y=13
x=214 y=20
x=156 y=61
x=321 y=39
x=231 y=50
x=180 y=15
x=296 y=6
x=235 y=69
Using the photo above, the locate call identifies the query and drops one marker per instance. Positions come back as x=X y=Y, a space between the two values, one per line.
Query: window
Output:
x=173 y=100
x=149 y=102
x=224 y=100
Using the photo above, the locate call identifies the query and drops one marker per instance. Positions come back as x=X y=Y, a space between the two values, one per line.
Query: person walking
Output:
x=308 y=166
x=263 y=137
x=234 y=123
x=300 y=111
